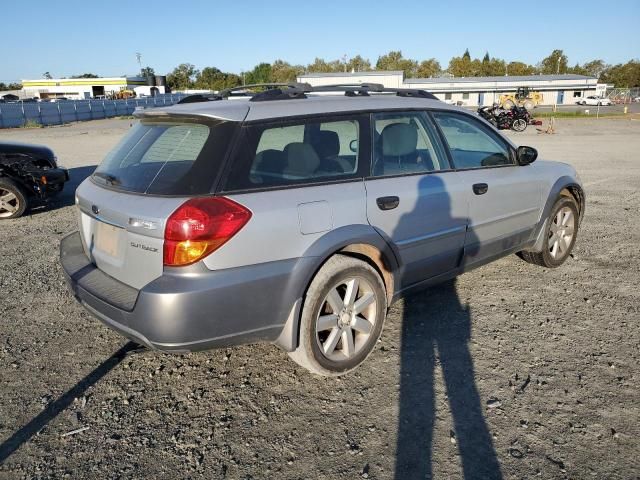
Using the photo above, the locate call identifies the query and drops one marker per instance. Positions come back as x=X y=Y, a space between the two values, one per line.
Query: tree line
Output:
x=186 y=75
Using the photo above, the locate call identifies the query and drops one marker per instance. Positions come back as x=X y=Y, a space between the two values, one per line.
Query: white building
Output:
x=84 y=88
x=474 y=91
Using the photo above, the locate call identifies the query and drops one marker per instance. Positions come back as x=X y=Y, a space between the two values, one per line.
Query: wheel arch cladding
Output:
x=564 y=186
x=359 y=241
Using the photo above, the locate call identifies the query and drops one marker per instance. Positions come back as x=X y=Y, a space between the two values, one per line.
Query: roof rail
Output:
x=266 y=86
x=200 y=97
x=411 y=92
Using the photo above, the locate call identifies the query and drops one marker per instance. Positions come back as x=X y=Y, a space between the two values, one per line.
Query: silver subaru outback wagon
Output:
x=297 y=215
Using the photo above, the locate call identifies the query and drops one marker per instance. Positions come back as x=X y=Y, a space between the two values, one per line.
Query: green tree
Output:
x=261 y=73
x=594 y=68
x=467 y=55
x=520 y=68
x=554 y=63
x=625 y=75
x=211 y=78
x=358 y=64
x=428 y=68
x=147 y=72
x=10 y=86
x=464 y=67
x=182 y=77
x=284 y=72
x=86 y=75
x=395 y=61
x=320 y=65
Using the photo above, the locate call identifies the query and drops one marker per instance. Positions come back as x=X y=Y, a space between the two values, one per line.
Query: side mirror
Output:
x=526 y=155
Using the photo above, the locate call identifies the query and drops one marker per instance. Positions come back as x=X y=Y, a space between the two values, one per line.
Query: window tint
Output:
x=471 y=145
x=405 y=143
x=308 y=151
x=167 y=158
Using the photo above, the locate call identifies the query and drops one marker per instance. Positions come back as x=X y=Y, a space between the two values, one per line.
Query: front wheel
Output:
x=13 y=200
x=342 y=317
x=561 y=229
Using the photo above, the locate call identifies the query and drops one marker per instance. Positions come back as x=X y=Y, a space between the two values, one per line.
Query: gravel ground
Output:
x=512 y=371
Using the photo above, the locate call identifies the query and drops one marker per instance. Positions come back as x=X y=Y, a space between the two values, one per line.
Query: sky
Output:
x=73 y=37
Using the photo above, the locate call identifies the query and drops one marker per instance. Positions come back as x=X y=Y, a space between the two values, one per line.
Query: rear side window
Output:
x=471 y=145
x=305 y=151
x=166 y=158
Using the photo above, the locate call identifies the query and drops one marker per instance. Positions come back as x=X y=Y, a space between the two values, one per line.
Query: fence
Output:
x=57 y=113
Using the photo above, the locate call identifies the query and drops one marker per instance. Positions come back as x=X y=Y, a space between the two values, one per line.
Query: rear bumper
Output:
x=187 y=311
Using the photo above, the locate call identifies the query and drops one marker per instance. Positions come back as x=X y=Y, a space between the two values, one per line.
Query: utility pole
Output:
x=558 y=69
x=139 y=58
x=344 y=61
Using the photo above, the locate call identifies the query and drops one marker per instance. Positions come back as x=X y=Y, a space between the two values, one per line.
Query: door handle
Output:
x=480 y=188
x=387 y=203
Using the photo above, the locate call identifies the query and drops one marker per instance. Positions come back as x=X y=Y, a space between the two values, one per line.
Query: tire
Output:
x=328 y=322
x=519 y=125
x=13 y=200
x=556 y=249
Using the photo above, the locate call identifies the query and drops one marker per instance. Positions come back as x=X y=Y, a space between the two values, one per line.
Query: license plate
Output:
x=107 y=237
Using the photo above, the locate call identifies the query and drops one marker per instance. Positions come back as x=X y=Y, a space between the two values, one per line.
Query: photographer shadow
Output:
x=436 y=330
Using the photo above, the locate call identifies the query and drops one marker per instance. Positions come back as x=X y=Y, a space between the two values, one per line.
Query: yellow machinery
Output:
x=123 y=94
x=522 y=98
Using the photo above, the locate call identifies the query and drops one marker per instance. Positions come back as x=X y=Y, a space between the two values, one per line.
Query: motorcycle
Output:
x=516 y=118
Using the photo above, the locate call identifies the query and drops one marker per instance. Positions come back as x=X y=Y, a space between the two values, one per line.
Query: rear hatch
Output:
x=124 y=205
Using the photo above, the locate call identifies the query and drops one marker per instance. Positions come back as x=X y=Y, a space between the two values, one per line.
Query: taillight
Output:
x=201 y=226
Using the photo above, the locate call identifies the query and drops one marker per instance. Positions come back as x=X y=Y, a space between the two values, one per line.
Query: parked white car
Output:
x=594 y=100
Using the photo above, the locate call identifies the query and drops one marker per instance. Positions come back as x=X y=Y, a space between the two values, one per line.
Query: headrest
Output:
x=302 y=159
x=326 y=143
x=270 y=161
x=399 y=139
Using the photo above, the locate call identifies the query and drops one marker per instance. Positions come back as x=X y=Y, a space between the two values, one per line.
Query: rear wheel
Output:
x=342 y=317
x=519 y=125
x=13 y=200
x=561 y=229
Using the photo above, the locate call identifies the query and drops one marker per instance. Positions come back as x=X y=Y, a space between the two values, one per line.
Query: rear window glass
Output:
x=308 y=151
x=166 y=158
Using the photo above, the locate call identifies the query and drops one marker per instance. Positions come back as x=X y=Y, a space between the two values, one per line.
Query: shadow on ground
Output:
x=58 y=406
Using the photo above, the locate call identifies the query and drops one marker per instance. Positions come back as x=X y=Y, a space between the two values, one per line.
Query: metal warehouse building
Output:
x=84 y=88
x=474 y=91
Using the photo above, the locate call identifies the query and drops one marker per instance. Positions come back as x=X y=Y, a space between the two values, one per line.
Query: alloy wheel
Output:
x=9 y=203
x=346 y=319
x=561 y=231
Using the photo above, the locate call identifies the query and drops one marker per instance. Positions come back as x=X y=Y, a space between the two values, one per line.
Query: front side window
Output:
x=471 y=145
x=300 y=152
x=405 y=143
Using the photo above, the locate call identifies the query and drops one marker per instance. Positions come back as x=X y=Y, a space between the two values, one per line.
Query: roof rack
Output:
x=200 y=97
x=293 y=90
x=357 y=89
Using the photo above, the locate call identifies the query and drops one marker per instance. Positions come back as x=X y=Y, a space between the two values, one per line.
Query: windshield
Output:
x=167 y=158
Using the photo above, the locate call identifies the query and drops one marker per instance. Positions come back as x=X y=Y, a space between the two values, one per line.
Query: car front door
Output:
x=414 y=199
x=504 y=197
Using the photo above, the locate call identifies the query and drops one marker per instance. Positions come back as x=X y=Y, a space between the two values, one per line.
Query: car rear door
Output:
x=504 y=198
x=414 y=199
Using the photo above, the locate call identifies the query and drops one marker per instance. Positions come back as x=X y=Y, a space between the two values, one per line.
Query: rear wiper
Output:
x=110 y=179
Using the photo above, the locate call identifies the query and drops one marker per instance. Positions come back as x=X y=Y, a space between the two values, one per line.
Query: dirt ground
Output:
x=514 y=371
